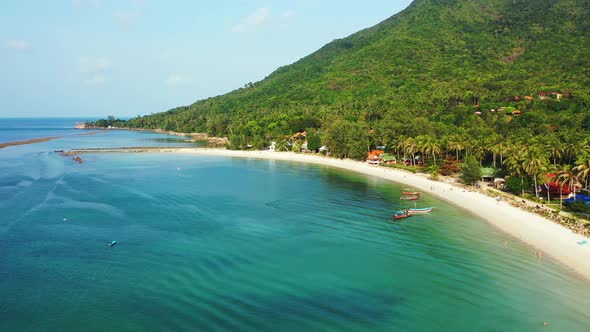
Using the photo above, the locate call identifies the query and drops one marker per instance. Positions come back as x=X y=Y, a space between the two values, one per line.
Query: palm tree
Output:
x=429 y=146
x=583 y=168
x=555 y=147
x=281 y=145
x=570 y=150
x=479 y=150
x=423 y=144
x=496 y=149
x=499 y=148
x=455 y=144
x=535 y=162
x=435 y=149
x=410 y=148
x=566 y=176
x=514 y=163
x=468 y=147
x=400 y=146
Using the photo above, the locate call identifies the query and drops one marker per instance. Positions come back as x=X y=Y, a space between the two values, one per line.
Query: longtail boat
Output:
x=413 y=211
x=411 y=193
x=400 y=215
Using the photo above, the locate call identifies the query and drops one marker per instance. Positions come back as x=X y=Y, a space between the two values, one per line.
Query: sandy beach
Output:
x=544 y=235
x=30 y=141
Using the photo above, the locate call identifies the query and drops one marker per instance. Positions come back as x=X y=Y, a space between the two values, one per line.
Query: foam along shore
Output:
x=545 y=235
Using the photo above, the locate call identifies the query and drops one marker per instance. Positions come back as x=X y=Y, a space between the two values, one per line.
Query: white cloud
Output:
x=95 y=79
x=18 y=45
x=175 y=79
x=92 y=65
x=127 y=17
x=258 y=17
x=289 y=13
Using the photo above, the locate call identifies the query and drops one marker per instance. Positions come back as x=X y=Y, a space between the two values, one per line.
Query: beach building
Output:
x=272 y=147
x=553 y=187
x=388 y=159
x=488 y=174
x=373 y=156
x=550 y=94
x=304 y=147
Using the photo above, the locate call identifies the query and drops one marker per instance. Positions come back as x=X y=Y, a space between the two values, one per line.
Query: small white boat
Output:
x=413 y=211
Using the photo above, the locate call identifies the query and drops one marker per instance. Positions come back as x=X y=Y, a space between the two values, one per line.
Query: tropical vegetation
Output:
x=504 y=83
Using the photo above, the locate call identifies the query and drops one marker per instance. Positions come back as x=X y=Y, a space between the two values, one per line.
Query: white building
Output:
x=273 y=146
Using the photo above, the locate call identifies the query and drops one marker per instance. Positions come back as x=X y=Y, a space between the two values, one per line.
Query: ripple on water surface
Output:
x=208 y=243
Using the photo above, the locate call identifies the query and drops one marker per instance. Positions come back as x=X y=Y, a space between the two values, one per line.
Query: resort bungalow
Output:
x=487 y=173
x=388 y=159
x=553 y=188
x=417 y=161
x=273 y=146
x=551 y=94
x=373 y=156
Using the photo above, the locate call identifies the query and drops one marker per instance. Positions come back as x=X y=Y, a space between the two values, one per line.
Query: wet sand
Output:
x=43 y=139
x=30 y=141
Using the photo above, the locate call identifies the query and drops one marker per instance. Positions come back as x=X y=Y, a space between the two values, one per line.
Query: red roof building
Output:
x=553 y=187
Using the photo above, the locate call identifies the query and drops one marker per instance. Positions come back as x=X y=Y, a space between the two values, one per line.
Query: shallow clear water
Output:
x=213 y=243
x=12 y=130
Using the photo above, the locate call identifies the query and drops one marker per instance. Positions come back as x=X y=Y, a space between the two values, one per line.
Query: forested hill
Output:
x=424 y=71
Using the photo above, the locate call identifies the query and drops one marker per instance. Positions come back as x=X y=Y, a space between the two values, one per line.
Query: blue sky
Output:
x=86 y=58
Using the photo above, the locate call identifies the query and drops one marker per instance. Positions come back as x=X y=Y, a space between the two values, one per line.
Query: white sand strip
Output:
x=545 y=235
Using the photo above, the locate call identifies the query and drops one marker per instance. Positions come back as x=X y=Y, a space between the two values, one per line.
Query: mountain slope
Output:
x=435 y=61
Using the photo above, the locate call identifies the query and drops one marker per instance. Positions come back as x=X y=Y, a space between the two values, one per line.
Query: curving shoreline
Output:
x=543 y=234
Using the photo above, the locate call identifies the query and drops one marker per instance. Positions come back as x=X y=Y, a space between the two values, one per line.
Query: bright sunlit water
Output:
x=215 y=243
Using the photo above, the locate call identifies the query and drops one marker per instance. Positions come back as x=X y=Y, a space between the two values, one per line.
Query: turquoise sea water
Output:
x=18 y=129
x=213 y=243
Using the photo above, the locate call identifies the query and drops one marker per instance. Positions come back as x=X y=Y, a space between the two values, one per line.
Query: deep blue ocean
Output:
x=230 y=244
